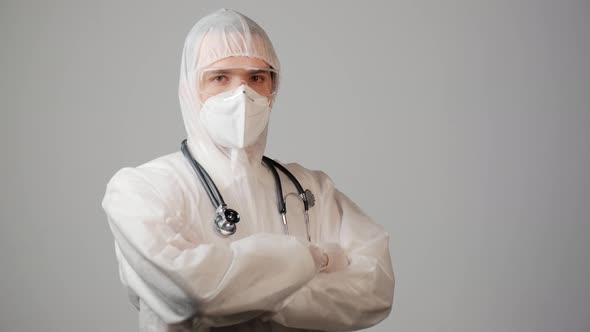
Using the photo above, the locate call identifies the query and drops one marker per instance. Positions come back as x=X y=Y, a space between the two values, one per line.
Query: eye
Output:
x=218 y=79
x=258 y=78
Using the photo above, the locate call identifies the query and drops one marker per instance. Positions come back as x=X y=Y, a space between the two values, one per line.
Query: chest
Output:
x=256 y=199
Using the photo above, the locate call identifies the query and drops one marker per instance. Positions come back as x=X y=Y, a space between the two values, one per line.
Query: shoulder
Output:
x=161 y=176
x=317 y=179
x=150 y=193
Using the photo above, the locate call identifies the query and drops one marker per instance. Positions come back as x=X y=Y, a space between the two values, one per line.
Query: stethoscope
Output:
x=226 y=218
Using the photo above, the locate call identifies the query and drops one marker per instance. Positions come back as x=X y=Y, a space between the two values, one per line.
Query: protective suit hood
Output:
x=183 y=275
x=224 y=33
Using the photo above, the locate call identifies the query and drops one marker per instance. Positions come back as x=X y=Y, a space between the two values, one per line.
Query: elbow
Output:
x=375 y=314
x=367 y=319
x=379 y=297
x=383 y=291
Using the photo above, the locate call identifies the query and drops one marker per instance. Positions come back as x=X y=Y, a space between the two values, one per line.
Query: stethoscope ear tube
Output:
x=306 y=195
x=278 y=184
x=302 y=193
x=279 y=192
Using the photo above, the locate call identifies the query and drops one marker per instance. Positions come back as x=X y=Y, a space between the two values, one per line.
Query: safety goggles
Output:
x=213 y=81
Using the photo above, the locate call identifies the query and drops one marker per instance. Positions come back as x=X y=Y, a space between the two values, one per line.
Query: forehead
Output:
x=239 y=61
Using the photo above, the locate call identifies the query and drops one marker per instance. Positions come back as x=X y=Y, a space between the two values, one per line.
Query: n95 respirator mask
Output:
x=236 y=118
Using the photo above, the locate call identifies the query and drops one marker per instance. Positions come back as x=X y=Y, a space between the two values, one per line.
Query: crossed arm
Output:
x=181 y=278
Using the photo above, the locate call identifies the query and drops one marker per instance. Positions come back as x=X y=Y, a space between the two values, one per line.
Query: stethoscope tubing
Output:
x=210 y=187
x=292 y=178
x=279 y=186
x=217 y=199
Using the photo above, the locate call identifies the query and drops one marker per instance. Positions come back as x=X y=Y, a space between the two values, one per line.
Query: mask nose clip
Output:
x=245 y=85
x=243 y=90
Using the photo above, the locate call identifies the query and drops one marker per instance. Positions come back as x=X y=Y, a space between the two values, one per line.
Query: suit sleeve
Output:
x=165 y=262
x=356 y=297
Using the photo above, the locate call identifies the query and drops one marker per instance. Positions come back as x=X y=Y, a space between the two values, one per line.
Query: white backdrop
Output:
x=462 y=126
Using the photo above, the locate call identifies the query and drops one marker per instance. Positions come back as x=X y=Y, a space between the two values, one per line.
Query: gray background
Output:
x=462 y=126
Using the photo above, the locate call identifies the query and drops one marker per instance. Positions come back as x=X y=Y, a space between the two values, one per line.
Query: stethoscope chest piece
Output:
x=226 y=220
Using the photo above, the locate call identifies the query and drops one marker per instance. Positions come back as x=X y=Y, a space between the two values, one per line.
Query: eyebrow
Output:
x=217 y=72
x=227 y=71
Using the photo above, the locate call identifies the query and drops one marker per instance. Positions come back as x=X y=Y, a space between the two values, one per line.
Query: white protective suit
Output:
x=183 y=275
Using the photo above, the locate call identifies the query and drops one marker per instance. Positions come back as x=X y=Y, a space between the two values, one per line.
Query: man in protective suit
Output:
x=183 y=273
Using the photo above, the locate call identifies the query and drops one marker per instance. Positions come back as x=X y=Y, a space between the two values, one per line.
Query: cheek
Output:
x=203 y=97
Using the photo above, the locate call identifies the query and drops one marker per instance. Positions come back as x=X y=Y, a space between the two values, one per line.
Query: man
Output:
x=272 y=272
